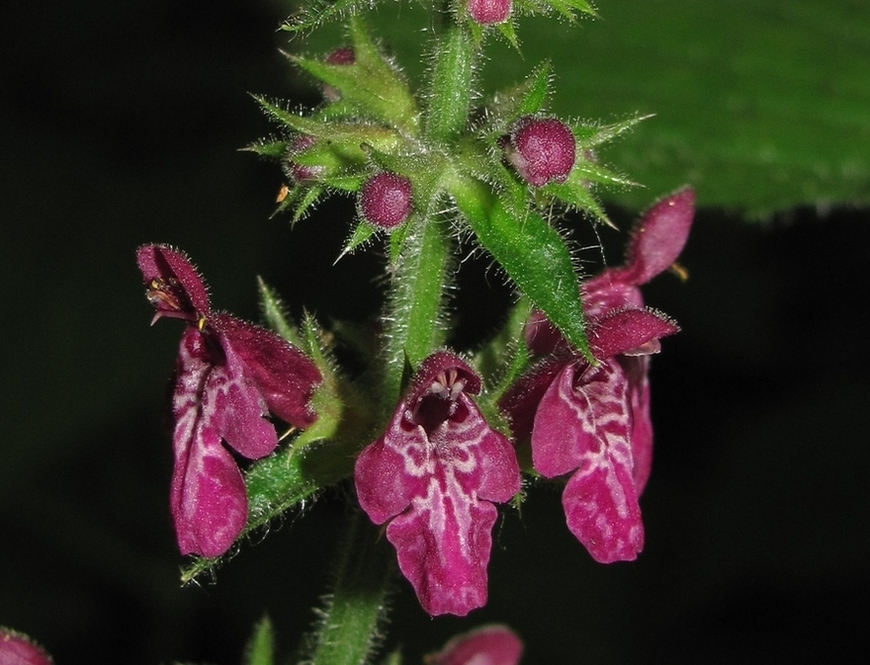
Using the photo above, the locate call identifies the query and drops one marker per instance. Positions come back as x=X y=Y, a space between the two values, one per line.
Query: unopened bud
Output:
x=340 y=56
x=486 y=12
x=541 y=150
x=385 y=200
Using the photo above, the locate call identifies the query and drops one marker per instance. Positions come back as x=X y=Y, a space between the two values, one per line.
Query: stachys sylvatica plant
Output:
x=430 y=442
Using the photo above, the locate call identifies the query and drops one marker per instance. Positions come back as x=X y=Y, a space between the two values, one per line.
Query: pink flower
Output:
x=18 y=649
x=434 y=475
x=489 y=645
x=230 y=375
x=594 y=421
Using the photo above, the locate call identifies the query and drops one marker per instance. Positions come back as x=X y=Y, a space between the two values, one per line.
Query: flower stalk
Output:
x=350 y=622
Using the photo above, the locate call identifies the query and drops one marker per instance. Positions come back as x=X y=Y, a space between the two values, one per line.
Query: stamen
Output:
x=448 y=384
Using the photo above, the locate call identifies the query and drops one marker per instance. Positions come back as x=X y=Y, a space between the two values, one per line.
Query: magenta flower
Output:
x=18 y=649
x=594 y=421
x=489 y=645
x=230 y=375
x=434 y=475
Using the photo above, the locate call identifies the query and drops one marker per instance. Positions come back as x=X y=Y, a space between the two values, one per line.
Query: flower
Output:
x=434 y=475
x=18 y=649
x=541 y=150
x=300 y=172
x=230 y=375
x=488 y=645
x=593 y=420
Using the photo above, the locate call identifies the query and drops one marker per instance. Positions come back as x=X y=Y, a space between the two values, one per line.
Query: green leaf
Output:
x=531 y=252
x=371 y=83
x=275 y=314
x=273 y=149
x=759 y=105
x=261 y=649
x=504 y=358
x=317 y=12
x=528 y=98
x=567 y=7
x=360 y=236
x=346 y=137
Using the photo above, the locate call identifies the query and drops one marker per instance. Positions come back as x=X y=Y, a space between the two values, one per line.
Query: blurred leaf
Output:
x=759 y=105
x=260 y=648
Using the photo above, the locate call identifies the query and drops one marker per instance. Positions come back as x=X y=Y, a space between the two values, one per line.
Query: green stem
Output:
x=349 y=629
x=450 y=87
x=415 y=306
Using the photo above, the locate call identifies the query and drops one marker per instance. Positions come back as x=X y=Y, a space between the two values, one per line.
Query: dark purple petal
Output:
x=542 y=337
x=659 y=237
x=434 y=471
x=239 y=407
x=388 y=476
x=18 y=649
x=607 y=292
x=637 y=372
x=489 y=645
x=443 y=548
x=584 y=423
x=520 y=401
x=173 y=285
x=216 y=398
x=629 y=331
x=284 y=376
x=207 y=494
x=600 y=503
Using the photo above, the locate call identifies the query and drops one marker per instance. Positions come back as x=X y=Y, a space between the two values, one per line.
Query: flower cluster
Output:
x=425 y=167
x=229 y=376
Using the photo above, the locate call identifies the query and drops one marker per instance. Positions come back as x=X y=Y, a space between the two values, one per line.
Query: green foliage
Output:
x=761 y=106
x=261 y=649
x=531 y=252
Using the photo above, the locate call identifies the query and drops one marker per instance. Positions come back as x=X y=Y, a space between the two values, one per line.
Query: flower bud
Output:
x=301 y=172
x=385 y=200
x=486 y=12
x=541 y=150
x=340 y=56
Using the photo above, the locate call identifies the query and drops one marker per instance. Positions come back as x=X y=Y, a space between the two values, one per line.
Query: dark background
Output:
x=120 y=124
